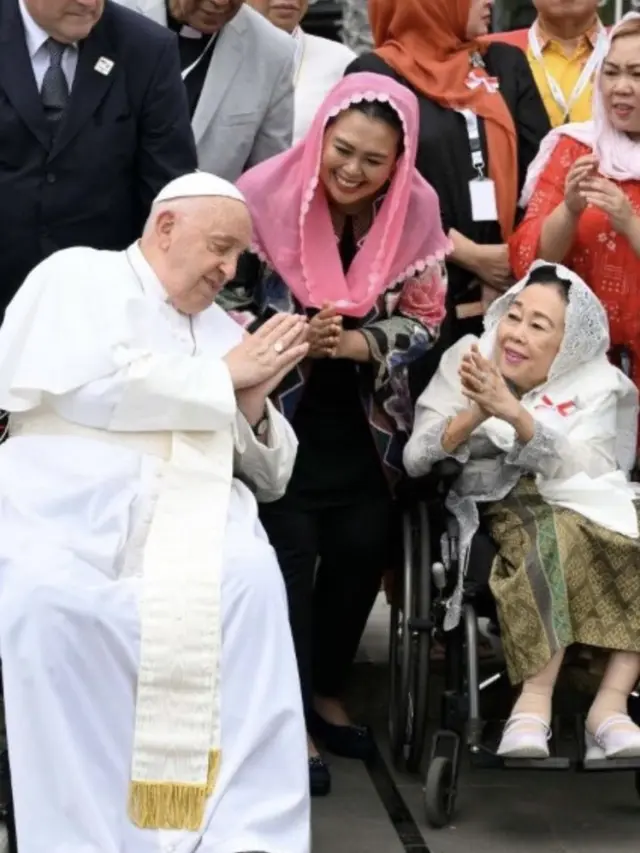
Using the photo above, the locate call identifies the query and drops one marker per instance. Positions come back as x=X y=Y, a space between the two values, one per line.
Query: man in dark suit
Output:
x=93 y=122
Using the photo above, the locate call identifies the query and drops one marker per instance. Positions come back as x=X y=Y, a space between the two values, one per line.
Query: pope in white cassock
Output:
x=151 y=691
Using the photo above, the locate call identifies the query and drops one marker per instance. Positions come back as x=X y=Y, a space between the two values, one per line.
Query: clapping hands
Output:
x=584 y=186
x=612 y=200
x=259 y=363
x=484 y=385
x=324 y=332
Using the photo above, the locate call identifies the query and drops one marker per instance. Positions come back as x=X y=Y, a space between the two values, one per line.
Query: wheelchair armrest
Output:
x=432 y=486
x=622 y=357
x=447 y=472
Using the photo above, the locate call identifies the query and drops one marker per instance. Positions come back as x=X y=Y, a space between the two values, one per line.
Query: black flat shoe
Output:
x=319 y=777
x=345 y=741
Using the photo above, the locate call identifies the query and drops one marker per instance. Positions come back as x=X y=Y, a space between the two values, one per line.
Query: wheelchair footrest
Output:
x=485 y=758
x=602 y=765
x=552 y=763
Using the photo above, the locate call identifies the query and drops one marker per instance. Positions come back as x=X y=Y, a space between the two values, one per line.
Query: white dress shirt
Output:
x=38 y=53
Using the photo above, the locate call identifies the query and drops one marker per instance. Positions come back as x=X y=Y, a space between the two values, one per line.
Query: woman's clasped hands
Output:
x=484 y=385
x=324 y=332
x=585 y=186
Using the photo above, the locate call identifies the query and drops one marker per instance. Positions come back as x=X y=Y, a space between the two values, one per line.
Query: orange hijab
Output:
x=425 y=42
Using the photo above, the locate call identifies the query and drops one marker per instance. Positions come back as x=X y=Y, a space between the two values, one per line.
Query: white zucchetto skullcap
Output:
x=199 y=185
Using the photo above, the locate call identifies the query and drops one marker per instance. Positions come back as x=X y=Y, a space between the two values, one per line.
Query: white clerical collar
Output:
x=35 y=36
x=188 y=32
x=144 y=272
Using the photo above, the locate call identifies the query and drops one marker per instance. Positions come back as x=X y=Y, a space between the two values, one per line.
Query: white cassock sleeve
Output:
x=79 y=339
x=267 y=467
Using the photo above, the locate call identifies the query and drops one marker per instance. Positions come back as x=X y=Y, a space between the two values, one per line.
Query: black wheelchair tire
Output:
x=422 y=645
x=409 y=651
x=438 y=792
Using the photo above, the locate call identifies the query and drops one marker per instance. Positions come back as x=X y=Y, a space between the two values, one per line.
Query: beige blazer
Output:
x=245 y=111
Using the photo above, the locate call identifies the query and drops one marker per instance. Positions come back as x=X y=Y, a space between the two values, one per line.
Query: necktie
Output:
x=55 y=89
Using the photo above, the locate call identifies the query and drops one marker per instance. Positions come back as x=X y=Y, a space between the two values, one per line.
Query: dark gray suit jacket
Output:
x=124 y=135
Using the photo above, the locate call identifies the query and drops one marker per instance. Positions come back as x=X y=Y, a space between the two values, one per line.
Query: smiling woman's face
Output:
x=358 y=158
x=530 y=335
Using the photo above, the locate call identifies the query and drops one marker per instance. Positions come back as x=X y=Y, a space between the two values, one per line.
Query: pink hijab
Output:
x=293 y=231
x=618 y=155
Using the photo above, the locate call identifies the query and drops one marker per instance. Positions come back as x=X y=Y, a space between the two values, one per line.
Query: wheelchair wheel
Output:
x=439 y=792
x=409 y=648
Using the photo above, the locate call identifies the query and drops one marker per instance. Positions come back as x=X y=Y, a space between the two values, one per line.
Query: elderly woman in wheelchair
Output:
x=545 y=428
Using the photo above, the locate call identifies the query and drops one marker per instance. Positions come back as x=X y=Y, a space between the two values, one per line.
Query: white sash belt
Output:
x=48 y=423
x=177 y=730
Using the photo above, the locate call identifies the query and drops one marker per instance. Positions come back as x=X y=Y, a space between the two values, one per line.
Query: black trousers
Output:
x=329 y=608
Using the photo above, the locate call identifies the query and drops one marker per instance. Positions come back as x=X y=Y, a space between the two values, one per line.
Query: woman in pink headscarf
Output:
x=583 y=194
x=348 y=232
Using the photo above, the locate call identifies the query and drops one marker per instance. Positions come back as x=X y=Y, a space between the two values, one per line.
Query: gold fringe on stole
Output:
x=214 y=769
x=172 y=805
x=167 y=805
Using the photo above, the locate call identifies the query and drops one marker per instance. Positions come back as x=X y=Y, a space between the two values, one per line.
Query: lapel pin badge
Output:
x=104 y=66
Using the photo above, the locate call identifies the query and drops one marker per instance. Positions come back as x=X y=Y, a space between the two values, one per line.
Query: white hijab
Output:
x=582 y=375
x=618 y=155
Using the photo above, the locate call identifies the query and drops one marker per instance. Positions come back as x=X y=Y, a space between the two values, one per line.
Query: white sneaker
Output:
x=618 y=737
x=525 y=736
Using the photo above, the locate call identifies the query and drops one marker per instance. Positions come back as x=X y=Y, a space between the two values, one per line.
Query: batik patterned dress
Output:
x=401 y=327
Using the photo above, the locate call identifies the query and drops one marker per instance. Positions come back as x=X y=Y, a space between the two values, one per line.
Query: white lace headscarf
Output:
x=581 y=363
x=586 y=328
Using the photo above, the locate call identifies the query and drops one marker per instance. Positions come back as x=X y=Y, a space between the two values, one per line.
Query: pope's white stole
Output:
x=177 y=731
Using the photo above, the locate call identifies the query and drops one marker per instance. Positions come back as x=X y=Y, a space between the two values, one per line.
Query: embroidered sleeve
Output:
x=412 y=328
x=424 y=449
x=549 y=192
x=541 y=455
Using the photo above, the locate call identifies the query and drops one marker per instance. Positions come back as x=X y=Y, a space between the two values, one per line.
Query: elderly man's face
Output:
x=201 y=241
x=206 y=16
x=66 y=21
x=573 y=9
x=284 y=14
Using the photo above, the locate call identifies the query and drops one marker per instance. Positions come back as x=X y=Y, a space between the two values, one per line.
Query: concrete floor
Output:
x=510 y=811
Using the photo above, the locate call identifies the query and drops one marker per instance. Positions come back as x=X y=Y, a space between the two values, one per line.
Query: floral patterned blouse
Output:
x=401 y=327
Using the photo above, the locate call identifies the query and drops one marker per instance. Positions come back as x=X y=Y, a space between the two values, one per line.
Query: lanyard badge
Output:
x=598 y=54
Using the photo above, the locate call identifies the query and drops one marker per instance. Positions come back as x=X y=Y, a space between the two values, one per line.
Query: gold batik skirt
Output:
x=559 y=580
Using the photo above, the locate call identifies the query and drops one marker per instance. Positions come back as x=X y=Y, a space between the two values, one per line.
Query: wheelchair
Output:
x=429 y=573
